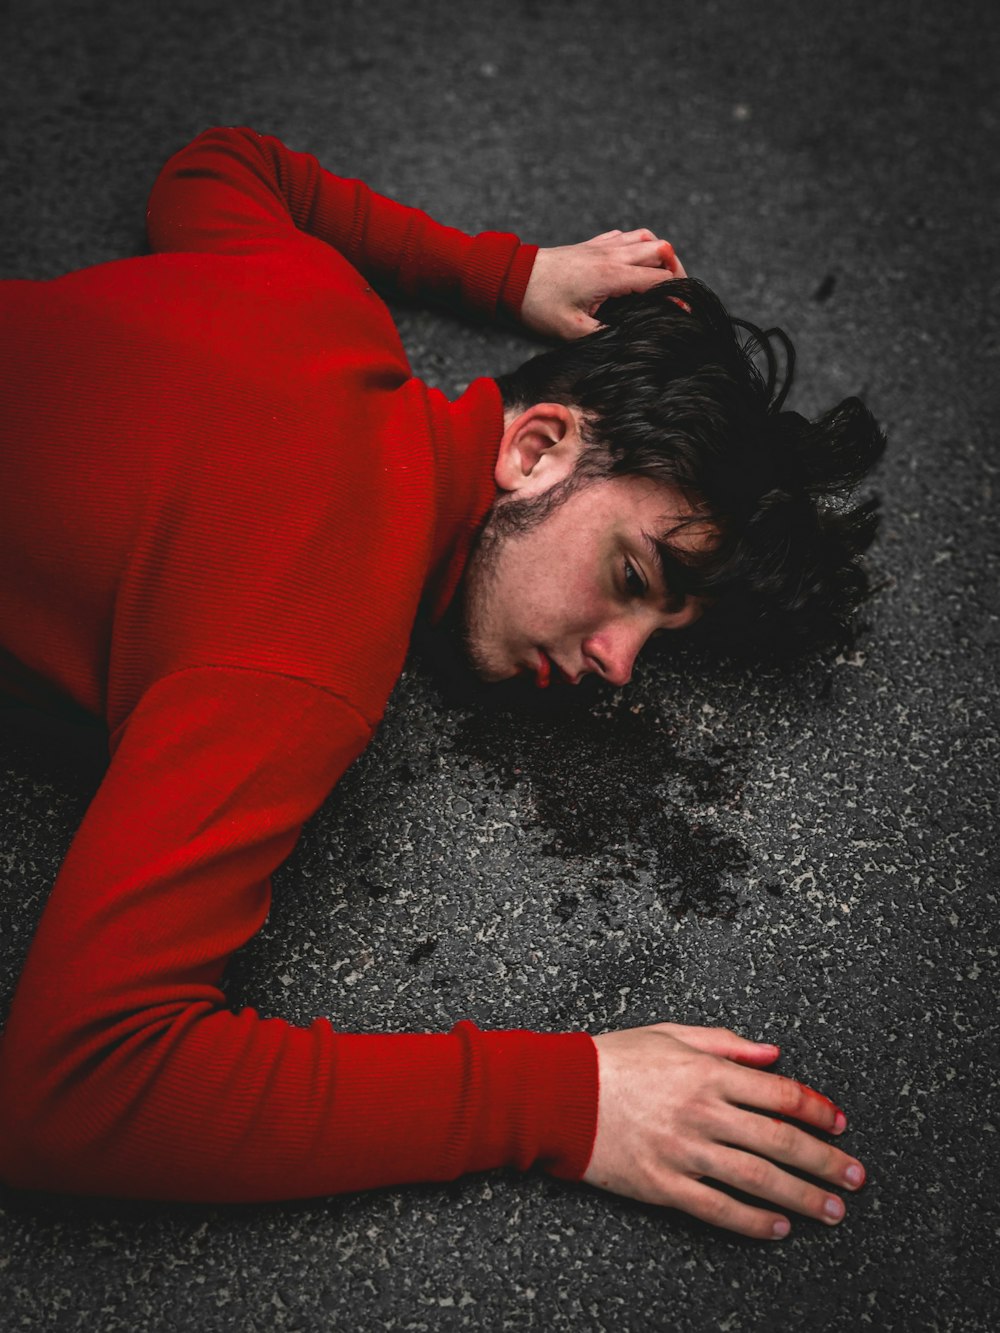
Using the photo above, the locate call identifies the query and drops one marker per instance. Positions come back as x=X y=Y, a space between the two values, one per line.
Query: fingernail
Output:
x=781 y=1229
x=840 y=1123
x=833 y=1208
x=855 y=1176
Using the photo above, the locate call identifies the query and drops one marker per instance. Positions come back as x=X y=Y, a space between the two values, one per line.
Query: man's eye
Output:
x=635 y=584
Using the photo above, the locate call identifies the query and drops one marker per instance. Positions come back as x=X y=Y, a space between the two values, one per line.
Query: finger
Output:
x=655 y=253
x=668 y=260
x=652 y=254
x=723 y=1042
x=639 y=234
x=782 y=1142
x=755 y=1175
x=634 y=278
x=718 y=1209
x=786 y=1097
x=760 y=1054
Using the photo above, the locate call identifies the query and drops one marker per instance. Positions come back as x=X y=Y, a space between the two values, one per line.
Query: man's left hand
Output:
x=569 y=282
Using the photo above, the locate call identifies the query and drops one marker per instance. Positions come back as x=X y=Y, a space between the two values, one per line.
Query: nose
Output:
x=612 y=650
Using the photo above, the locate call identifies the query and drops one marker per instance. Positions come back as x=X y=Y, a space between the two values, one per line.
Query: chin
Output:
x=487 y=664
x=491 y=675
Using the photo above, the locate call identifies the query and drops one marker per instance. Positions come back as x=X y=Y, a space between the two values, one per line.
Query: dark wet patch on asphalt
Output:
x=613 y=787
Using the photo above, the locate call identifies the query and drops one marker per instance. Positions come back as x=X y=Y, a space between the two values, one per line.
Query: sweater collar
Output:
x=466 y=436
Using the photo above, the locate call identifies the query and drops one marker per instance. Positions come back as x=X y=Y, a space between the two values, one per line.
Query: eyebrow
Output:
x=653 y=551
x=670 y=567
x=657 y=552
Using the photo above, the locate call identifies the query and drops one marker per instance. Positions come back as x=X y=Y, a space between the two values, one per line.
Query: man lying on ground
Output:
x=225 y=500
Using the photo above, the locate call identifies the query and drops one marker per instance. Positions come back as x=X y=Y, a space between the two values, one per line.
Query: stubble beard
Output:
x=478 y=592
x=509 y=518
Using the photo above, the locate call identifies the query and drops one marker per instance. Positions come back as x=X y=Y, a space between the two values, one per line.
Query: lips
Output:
x=548 y=670
x=543 y=672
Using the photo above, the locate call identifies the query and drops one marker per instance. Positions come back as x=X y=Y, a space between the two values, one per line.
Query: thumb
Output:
x=725 y=1043
x=584 y=324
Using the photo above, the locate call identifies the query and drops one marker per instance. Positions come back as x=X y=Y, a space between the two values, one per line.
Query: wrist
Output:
x=517 y=280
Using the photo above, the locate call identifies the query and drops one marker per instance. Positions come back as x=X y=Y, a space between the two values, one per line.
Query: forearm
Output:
x=233 y=191
x=123 y=1072
x=205 y=1105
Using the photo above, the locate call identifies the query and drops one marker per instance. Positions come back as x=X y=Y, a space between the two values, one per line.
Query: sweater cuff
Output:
x=515 y=284
x=485 y=267
x=537 y=1103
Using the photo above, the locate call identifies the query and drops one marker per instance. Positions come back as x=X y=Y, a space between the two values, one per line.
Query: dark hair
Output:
x=669 y=389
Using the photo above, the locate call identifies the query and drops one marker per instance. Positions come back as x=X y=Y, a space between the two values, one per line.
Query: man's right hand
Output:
x=680 y=1106
x=569 y=283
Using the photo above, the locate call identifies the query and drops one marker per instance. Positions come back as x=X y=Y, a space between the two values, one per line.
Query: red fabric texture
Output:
x=223 y=497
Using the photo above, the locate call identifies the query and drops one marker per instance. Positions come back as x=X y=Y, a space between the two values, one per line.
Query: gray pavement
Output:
x=808 y=857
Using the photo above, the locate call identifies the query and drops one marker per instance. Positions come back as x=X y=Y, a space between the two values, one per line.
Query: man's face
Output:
x=580 y=591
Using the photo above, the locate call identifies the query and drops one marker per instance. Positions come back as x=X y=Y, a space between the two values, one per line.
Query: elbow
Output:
x=192 y=200
x=41 y=1143
x=58 y=1131
x=87 y=1114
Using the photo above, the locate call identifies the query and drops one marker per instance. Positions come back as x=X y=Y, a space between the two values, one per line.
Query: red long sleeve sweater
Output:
x=222 y=498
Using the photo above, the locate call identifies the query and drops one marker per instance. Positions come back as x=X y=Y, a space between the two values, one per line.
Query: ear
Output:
x=539 y=448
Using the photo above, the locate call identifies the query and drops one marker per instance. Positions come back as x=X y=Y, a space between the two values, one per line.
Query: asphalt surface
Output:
x=809 y=857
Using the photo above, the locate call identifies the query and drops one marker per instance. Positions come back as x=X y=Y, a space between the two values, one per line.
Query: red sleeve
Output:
x=232 y=190
x=123 y=1072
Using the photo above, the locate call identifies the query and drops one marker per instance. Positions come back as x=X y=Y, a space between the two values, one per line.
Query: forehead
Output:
x=660 y=510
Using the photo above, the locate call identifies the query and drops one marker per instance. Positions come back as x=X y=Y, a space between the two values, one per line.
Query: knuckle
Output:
x=834 y=1164
x=699 y=1161
x=712 y=1117
x=791 y=1097
x=717 y=1208
x=786 y=1138
x=754 y=1173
